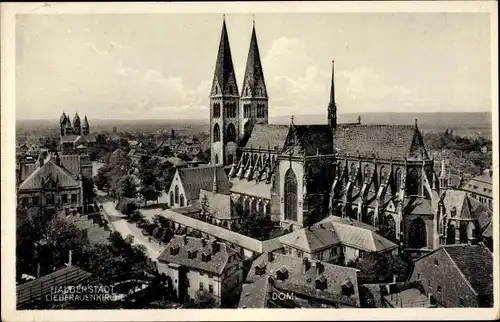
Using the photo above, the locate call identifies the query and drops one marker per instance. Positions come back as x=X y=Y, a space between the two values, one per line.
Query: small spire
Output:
x=214 y=184
x=359 y=119
x=291 y=120
x=253 y=20
x=416 y=122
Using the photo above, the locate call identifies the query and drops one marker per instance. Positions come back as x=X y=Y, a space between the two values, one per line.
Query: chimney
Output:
x=270 y=256
x=204 y=242
x=319 y=267
x=38 y=270
x=185 y=239
x=472 y=241
x=305 y=264
x=215 y=247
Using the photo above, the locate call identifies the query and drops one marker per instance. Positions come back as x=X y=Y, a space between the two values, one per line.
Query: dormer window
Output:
x=321 y=283
x=347 y=288
x=282 y=274
x=174 y=250
x=191 y=254
x=260 y=269
x=205 y=257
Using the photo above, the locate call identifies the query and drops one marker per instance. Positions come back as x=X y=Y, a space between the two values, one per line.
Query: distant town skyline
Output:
x=145 y=66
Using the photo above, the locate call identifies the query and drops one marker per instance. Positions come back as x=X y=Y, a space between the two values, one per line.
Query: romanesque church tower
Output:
x=224 y=102
x=254 y=99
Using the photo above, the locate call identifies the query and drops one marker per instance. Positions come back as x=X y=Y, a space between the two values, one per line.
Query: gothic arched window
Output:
x=230 y=89
x=290 y=195
x=366 y=172
x=246 y=92
x=231 y=133
x=216 y=109
x=182 y=201
x=176 y=189
x=383 y=175
x=397 y=181
x=413 y=182
x=171 y=198
x=216 y=133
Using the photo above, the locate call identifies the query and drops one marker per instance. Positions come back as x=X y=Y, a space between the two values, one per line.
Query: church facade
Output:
x=298 y=174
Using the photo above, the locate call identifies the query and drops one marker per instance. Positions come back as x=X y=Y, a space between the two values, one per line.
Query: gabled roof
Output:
x=309 y=140
x=268 y=135
x=476 y=264
x=326 y=234
x=218 y=260
x=40 y=287
x=224 y=71
x=481 y=185
x=302 y=282
x=459 y=201
x=194 y=179
x=254 y=295
x=70 y=162
x=49 y=170
x=254 y=76
x=385 y=141
x=348 y=221
x=418 y=206
x=251 y=188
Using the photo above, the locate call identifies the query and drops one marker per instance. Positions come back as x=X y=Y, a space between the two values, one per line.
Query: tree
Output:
x=380 y=268
x=205 y=206
x=258 y=226
x=126 y=187
x=203 y=300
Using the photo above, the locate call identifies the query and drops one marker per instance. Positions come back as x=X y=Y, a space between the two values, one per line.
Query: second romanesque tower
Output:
x=224 y=102
x=254 y=99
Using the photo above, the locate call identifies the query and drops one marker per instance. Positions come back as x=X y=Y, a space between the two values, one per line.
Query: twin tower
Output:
x=233 y=114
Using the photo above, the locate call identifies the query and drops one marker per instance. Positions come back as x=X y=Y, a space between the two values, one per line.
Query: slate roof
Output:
x=417 y=206
x=175 y=161
x=481 y=185
x=386 y=141
x=324 y=235
x=224 y=70
x=254 y=295
x=264 y=135
x=476 y=264
x=254 y=77
x=70 y=162
x=49 y=169
x=219 y=204
x=488 y=231
x=70 y=138
x=194 y=179
x=302 y=282
x=218 y=260
x=348 y=221
x=459 y=201
x=27 y=169
x=309 y=140
x=259 y=189
x=40 y=287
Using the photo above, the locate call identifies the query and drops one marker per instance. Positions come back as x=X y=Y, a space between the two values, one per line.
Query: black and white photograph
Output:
x=248 y=157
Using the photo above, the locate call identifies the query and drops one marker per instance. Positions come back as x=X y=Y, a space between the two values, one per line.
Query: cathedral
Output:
x=75 y=138
x=298 y=174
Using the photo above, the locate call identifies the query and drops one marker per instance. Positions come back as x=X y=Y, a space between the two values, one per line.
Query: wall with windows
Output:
x=176 y=194
x=69 y=198
x=441 y=278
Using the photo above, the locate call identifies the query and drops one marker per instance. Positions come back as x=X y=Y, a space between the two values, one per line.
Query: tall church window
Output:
x=216 y=109
x=366 y=172
x=182 y=201
x=216 y=133
x=230 y=89
x=171 y=198
x=413 y=181
x=246 y=92
x=383 y=175
x=176 y=189
x=398 y=179
x=230 y=159
x=246 y=110
x=290 y=195
x=50 y=199
x=216 y=159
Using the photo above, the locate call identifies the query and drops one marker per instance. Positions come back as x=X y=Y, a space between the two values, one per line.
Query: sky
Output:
x=160 y=66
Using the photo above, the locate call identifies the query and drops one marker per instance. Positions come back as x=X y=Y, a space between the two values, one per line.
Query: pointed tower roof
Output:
x=85 y=122
x=68 y=123
x=62 y=119
x=332 y=87
x=76 y=120
x=254 y=76
x=224 y=76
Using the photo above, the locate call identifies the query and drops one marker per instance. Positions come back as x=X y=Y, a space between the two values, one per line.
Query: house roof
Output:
x=268 y=135
x=348 y=221
x=49 y=170
x=219 y=204
x=480 y=185
x=302 y=282
x=385 y=141
x=175 y=161
x=488 y=231
x=70 y=162
x=324 y=235
x=40 y=287
x=70 y=138
x=254 y=295
x=218 y=260
x=476 y=264
x=194 y=179
x=251 y=188
x=459 y=201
